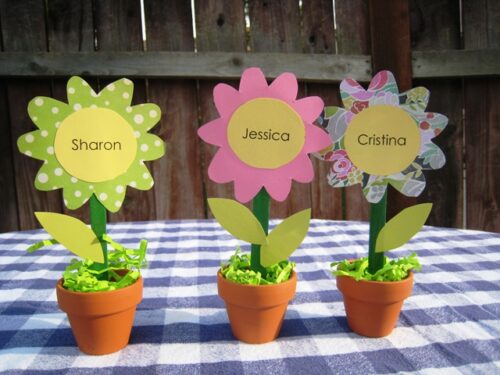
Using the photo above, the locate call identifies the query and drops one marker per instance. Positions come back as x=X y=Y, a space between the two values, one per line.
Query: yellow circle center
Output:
x=382 y=140
x=95 y=145
x=266 y=133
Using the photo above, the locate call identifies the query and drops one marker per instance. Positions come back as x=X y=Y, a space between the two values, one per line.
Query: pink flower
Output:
x=255 y=101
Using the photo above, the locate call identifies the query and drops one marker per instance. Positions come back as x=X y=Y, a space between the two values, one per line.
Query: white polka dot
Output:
x=151 y=183
x=78 y=193
x=57 y=124
x=50 y=150
x=103 y=196
x=125 y=95
x=91 y=187
x=58 y=172
x=43 y=178
x=45 y=162
x=111 y=87
x=54 y=110
x=119 y=189
x=74 y=180
x=127 y=81
x=44 y=133
x=93 y=106
x=153 y=113
x=28 y=153
x=77 y=106
x=157 y=143
x=128 y=109
x=145 y=175
x=35 y=119
x=84 y=83
x=138 y=119
x=29 y=138
x=39 y=102
x=137 y=134
x=93 y=93
x=54 y=188
x=71 y=90
x=118 y=203
x=65 y=202
x=106 y=102
x=144 y=147
x=133 y=184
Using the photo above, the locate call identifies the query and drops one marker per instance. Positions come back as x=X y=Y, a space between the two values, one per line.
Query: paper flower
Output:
x=264 y=135
x=94 y=144
x=396 y=124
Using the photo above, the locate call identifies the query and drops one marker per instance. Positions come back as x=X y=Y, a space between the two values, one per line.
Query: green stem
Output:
x=261 y=212
x=377 y=221
x=98 y=217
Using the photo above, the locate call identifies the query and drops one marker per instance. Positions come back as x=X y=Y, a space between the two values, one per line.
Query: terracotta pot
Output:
x=256 y=312
x=373 y=307
x=101 y=321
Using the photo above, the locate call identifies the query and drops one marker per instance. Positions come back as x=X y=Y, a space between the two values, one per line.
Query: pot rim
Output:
x=291 y=279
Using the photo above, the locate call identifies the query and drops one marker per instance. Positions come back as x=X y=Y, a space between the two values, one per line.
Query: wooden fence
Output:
x=448 y=46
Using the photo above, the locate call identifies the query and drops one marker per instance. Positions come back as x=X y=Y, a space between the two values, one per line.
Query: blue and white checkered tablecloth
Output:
x=450 y=324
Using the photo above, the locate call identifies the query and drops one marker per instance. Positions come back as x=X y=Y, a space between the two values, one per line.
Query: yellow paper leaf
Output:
x=285 y=238
x=238 y=220
x=402 y=227
x=72 y=234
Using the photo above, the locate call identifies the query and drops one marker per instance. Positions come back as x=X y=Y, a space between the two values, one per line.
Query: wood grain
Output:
x=318 y=33
x=23 y=29
x=482 y=119
x=221 y=27
x=444 y=187
x=179 y=188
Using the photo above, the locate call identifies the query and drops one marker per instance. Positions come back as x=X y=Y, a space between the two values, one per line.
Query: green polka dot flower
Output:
x=96 y=143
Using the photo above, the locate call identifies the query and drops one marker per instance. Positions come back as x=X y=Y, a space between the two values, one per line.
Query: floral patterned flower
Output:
x=382 y=91
x=267 y=108
x=95 y=170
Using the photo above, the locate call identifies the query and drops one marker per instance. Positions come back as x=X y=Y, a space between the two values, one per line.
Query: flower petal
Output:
x=351 y=92
x=227 y=99
x=285 y=87
x=278 y=187
x=253 y=79
x=316 y=139
x=410 y=182
x=117 y=95
x=35 y=145
x=432 y=157
x=224 y=166
x=246 y=189
x=415 y=99
x=374 y=188
x=383 y=81
x=309 y=108
x=214 y=132
x=80 y=93
x=142 y=117
x=337 y=123
x=150 y=147
x=48 y=113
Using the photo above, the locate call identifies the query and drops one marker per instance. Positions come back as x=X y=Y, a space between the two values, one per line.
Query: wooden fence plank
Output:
x=275 y=27
x=118 y=28
x=353 y=36
x=391 y=50
x=220 y=26
x=482 y=118
x=205 y=65
x=179 y=189
x=435 y=25
x=23 y=29
x=69 y=28
x=318 y=32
